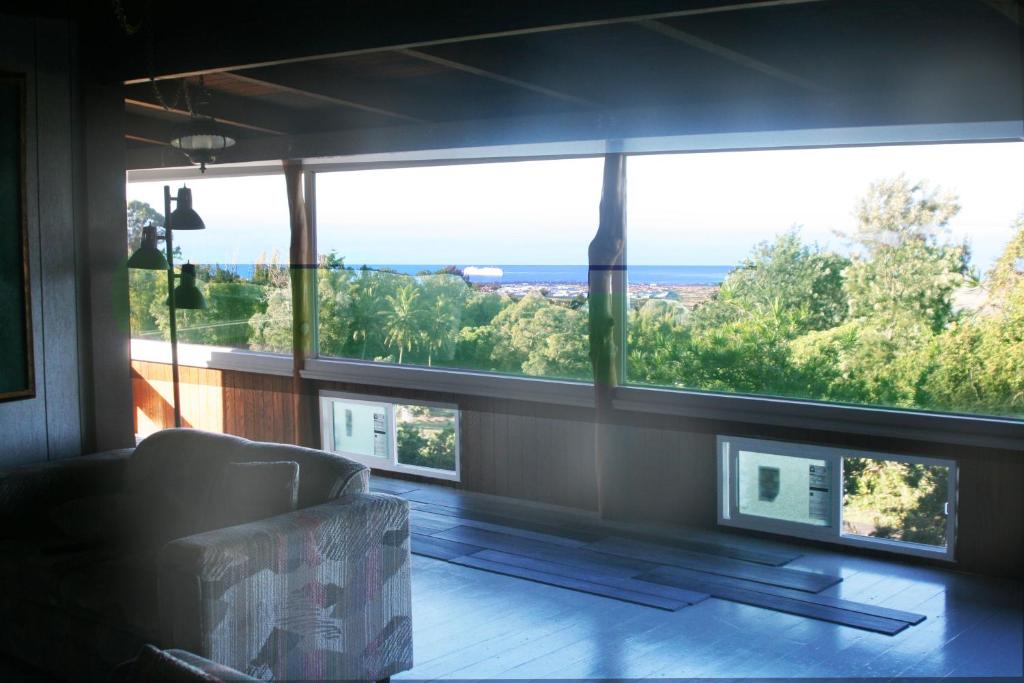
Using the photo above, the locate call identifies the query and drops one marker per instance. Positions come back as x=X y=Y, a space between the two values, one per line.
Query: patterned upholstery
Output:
x=322 y=593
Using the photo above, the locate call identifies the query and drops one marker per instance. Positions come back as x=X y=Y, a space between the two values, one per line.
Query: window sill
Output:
x=532 y=389
x=988 y=432
x=213 y=357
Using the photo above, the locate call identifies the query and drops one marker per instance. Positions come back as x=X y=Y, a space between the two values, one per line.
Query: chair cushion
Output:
x=254 y=490
x=186 y=465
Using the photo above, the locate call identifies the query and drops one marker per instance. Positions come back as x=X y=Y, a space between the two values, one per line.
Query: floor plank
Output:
x=669 y=592
x=656 y=554
x=670 y=576
x=572 y=583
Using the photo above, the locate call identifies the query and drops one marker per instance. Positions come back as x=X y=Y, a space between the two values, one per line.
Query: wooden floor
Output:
x=472 y=624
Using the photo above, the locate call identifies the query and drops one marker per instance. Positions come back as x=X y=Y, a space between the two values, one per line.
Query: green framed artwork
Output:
x=16 y=366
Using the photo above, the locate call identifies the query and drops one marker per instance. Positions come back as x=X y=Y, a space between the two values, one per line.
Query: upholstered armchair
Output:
x=273 y=560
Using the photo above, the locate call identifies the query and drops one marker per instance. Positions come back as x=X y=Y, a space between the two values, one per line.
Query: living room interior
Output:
x=612 y=340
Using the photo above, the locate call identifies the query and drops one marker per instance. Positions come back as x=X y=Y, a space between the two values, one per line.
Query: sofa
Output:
x=270 y=559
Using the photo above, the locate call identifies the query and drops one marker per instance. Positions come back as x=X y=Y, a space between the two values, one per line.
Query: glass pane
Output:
x=784 y=487
x=361 y=429
x=895 y=500
x=241 y=261
x=885 y=276
x=426 y=436
x=474 y=266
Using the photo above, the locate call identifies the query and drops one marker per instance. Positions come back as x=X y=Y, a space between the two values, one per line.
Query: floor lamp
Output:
x=148 y=256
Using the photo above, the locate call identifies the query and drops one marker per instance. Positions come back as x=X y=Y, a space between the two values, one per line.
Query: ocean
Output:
x=565 y=274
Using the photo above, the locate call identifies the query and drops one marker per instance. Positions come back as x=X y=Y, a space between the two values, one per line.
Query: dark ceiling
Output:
x=306 y=79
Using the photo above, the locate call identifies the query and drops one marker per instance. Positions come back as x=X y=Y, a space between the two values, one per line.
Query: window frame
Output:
x=326 y=399
x=727 y=499
x=930 y=427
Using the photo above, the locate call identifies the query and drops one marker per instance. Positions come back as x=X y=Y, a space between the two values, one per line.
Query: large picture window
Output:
x=881 y=276
x=472 y=266
x=241 y=260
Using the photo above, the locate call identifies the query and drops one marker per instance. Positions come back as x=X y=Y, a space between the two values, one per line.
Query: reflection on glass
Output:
x=361 y=429
x=784 y=487
x=898 y=501
x=426 y=436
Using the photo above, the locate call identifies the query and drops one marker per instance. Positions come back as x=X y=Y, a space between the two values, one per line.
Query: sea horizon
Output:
x=546 y=274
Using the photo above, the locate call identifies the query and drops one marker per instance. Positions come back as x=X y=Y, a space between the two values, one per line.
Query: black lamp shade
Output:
x=186 y=294
x=148 y=256
x=184 y=216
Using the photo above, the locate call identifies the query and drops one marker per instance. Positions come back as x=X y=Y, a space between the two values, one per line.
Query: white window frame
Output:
x=390 y=463
x=728 y=448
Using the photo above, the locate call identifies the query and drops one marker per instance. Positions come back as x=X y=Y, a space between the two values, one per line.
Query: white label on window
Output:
x=380 y=435
x=819 y=494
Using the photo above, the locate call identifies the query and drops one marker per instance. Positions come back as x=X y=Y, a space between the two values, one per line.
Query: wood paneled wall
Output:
x=242 y=403
x=663 y=470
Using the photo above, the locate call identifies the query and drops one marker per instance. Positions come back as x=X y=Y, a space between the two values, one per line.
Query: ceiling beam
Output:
x=727 y=54
x=317 y=94
x=484 y=73
x=246 y=116
x=398 y=33
x=147 y=129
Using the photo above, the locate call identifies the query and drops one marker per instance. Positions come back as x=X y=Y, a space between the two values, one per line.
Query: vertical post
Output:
x=168 y=240
x=607 y=303
x=302 y=259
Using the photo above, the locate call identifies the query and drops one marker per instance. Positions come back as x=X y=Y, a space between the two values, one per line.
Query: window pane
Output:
x=895 y=500
x=476 y=266
x=784 y=487
x=884 y=276
x=426 y=436
x=241 y=260
x=361 y=429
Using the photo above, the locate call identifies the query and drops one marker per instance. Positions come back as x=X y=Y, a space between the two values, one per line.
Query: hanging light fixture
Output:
x=202 y=141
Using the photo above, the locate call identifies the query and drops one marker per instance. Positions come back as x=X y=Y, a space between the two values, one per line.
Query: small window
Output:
x=906 y=504
x=419 y=438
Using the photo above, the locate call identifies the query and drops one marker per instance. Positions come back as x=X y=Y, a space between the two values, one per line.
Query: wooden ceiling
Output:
x=336 y=78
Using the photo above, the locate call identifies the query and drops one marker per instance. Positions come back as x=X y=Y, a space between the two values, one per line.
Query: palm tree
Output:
x=441 y=327
x=365 y=309
x=403 y=323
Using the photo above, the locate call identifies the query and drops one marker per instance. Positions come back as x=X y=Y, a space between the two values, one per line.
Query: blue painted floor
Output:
x=470 y=624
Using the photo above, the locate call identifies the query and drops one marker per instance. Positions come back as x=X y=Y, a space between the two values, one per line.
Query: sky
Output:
x=683 y=209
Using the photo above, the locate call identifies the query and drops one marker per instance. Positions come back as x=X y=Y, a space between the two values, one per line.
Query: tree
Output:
x=905 y=272
x=140 y=214
x=403 y=321
x=802 y=279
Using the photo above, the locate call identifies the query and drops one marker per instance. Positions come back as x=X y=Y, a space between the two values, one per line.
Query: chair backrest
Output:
x=186 y=464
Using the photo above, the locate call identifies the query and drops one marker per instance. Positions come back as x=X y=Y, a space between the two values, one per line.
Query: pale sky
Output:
x=683 y=209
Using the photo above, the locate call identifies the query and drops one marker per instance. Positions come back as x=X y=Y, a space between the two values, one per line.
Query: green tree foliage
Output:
x=437 y=450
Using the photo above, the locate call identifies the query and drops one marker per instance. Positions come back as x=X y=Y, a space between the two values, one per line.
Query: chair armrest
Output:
x=217 y=671
x=322 y=593
x=28 y=492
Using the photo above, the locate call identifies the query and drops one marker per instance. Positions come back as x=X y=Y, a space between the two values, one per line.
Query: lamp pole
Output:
x=168 y=241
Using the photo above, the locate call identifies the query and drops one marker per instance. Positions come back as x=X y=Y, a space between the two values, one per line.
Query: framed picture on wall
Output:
x=16 y=369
